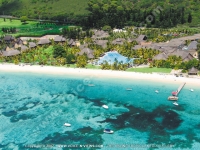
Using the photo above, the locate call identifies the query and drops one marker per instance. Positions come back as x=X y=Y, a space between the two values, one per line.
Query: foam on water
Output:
x=34 y=108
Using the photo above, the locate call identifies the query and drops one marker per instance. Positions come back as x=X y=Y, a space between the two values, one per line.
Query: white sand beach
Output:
x=94 y=73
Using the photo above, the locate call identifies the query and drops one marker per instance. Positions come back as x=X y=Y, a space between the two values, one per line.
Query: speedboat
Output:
x=105 y=106
x=91 y=85
x=156 y=91
x=67 y=124
x=191 y=90
x=129 y=89
x=108 y=131
x=173 y=98
x=175 y=103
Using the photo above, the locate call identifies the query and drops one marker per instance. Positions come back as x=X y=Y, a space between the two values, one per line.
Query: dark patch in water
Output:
x=53 y=102
x=3 y=77
x=197 y=139
x=45 y=106
x=85 y=135
x=25 y=105
x=23 y=108
x=184 y=143
x=3 y=107
x=96 y=102
x=180 y=107
x=171 y=119
x=144 y=121
x=11 y=95
x=1 y=146
x=49 y=80
x=10 y=113
x=55 y=97
x=86 y=118
x=16 y=118
x=157 y=139
x=198 y=126
x=24 y=98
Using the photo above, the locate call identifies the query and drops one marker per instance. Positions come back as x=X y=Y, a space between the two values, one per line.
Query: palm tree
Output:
x=140 y=52
x=136 y=61
x=81 y=61
x=151 y=65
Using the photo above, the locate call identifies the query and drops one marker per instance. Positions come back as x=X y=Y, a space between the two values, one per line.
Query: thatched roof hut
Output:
x=43 y=41
x=10 y=53
x=193 y=71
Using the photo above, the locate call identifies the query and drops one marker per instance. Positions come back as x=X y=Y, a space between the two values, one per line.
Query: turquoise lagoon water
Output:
x=33 y=109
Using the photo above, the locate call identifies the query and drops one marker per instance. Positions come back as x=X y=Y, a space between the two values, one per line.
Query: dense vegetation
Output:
x=176 y=63
x=115 y=13
x=45 y=55
x=75 y=33
x=163 y=35
x=121 y=13
x=64 y=10
x=63 y=54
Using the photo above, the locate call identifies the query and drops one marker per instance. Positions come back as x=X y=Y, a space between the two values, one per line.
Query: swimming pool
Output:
x=111 y=57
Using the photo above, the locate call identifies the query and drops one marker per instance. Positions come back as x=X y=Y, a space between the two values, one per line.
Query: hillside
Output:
x=116 y=13
x=192 y=6
x=45 y=9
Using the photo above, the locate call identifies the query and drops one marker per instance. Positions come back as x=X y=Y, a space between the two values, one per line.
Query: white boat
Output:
x=175 y=103
x=191 y=90
x=91 y=85
x=156 y=91
x=105 y=106
x=108 y=131
x=173 y=98
x=67 y=124
x=129 y=89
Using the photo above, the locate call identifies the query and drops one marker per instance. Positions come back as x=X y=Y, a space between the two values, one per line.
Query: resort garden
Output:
x=63 y=54
x=164 y=35
x=45 y=55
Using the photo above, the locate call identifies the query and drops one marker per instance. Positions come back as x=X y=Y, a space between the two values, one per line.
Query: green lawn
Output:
x=90 y=66
x=70 y=65
x=30 y=28
x=15 y=23
x=149 y=70
x=143 y=70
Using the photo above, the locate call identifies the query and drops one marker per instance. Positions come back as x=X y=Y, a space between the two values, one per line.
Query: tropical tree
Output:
x=105 y=65
x=81 y=61
x=59 y=51
x=24 y=19
x=70 y=58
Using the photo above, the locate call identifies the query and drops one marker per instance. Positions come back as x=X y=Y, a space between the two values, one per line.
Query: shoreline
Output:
x=95 y=73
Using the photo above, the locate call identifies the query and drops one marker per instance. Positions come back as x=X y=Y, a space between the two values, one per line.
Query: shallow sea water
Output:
x=33 y=109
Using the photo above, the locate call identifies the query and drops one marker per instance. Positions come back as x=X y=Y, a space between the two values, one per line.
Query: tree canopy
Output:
x=121 y=13
x=24 y=19
x=59 y=51
x=115 y=13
